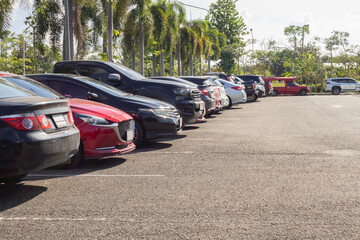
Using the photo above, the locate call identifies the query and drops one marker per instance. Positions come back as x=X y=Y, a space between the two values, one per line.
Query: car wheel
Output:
x=336 y=90
x=275 y=93
x=78 y=159
x=139 y=134
x=252 y=98
x=303 y=92
x=12 y=180
x=230 y=103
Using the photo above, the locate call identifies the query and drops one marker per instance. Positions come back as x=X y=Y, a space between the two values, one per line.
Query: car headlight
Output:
x=181 y=91
x=156 y=111
x=92 y=120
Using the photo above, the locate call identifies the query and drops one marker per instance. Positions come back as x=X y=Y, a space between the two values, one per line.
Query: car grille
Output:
x=126 y=130
x=195 y=94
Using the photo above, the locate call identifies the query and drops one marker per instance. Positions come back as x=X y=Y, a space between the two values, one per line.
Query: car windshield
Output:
x=34 y=87
x=10 y=90
x=102 y=86
x=127 y=71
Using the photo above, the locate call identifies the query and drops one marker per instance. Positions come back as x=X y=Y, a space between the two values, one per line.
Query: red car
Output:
x=286 y=85
x=104 y=130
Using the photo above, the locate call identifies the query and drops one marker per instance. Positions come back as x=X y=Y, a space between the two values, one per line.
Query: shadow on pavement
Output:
x=151 y=146
x=89 y=166
x=12 y=196
x=186 y=128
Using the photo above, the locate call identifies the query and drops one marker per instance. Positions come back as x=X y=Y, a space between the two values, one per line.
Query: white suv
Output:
x=338 y=85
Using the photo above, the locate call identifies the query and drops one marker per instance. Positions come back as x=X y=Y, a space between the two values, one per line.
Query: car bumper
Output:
x=104 y=141
x=24 y=152
x=190 y=110
x=209 y=103
x=157 y=127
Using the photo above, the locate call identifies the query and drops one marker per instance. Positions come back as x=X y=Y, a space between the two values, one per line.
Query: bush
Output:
x=317 y=89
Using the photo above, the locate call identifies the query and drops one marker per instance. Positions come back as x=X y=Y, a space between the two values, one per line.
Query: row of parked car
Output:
x=96 y=109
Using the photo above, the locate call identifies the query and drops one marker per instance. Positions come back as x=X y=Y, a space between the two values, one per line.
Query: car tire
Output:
x=230 y=103
x=275 y=93
x=9 y=181
x=303 y=92
x=336 y=90
x=252 y=98
x=78 y=159
x=139 y=134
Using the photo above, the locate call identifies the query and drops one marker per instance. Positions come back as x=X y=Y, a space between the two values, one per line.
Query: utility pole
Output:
x=67 y=47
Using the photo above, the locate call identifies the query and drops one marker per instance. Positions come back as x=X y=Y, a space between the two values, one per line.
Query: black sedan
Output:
x=206 y=91
x=35 y=132
x=154 y=119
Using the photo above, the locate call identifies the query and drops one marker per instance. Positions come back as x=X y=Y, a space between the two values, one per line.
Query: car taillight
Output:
x=254 y=86
x=237 y=88
x=204 y=91
x=70 y=118
x=327 y=82
x=26 y=122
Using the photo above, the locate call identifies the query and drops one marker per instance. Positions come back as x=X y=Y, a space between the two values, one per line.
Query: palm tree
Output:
x=160 y=23
x=49 y=21
x=176 y=16
x=5 y=15
x=142 y=9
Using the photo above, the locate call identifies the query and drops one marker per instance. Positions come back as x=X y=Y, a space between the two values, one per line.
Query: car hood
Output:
x=170 y=84
x=98 y=109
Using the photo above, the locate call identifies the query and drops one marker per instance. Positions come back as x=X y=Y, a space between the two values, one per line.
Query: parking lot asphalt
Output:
x=282 y=167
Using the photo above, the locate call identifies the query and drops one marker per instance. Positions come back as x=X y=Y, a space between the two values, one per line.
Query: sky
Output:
x=269 y=18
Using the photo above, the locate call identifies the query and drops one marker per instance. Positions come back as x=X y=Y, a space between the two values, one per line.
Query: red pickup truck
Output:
x=286 y=85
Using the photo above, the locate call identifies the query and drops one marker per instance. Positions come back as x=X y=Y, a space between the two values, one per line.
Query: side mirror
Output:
x=92 y=96
x=114 y=77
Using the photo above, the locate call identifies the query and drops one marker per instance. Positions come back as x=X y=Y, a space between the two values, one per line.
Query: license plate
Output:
x=59 y=120
x=130 y=135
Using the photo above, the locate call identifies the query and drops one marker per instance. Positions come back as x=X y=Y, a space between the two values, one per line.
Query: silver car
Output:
x=338 y=85
x=235 y=92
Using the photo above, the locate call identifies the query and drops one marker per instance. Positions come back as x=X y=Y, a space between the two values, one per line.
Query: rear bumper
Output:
x=190 y=110
x=23 y=152
x=157 y=127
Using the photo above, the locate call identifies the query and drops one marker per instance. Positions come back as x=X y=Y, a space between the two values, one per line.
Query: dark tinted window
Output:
x=65 y=68
x=127 y=71
x=9 y=90
x=34 y=86
x=291 y=84
x=69 y=89
x=350 y=81
x=94 y=72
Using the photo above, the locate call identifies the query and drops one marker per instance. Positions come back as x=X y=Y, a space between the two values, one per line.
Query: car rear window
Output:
x=10 y=90
x=34 y=86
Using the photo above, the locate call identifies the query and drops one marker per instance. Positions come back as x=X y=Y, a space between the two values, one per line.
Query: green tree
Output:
x=223 y=15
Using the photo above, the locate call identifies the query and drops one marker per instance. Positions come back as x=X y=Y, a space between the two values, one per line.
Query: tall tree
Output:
x=223 y=15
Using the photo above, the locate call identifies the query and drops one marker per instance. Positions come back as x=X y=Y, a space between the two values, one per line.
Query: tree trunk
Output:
x=133 y=59
x=34 y=45
x=141 y=47
x=162 y=60
x=182 y=69
x=110 y=30
x=154 y=65
x=191 y=66
x=209 y=65
x=200 y=69
x=171 y=65
x=179 y=57
x=71 y=29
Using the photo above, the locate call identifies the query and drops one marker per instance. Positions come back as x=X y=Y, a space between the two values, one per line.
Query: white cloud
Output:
x=301 y=19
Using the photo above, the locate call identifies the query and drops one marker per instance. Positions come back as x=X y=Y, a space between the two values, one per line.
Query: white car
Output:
x=338 y=85
x=235 y=92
